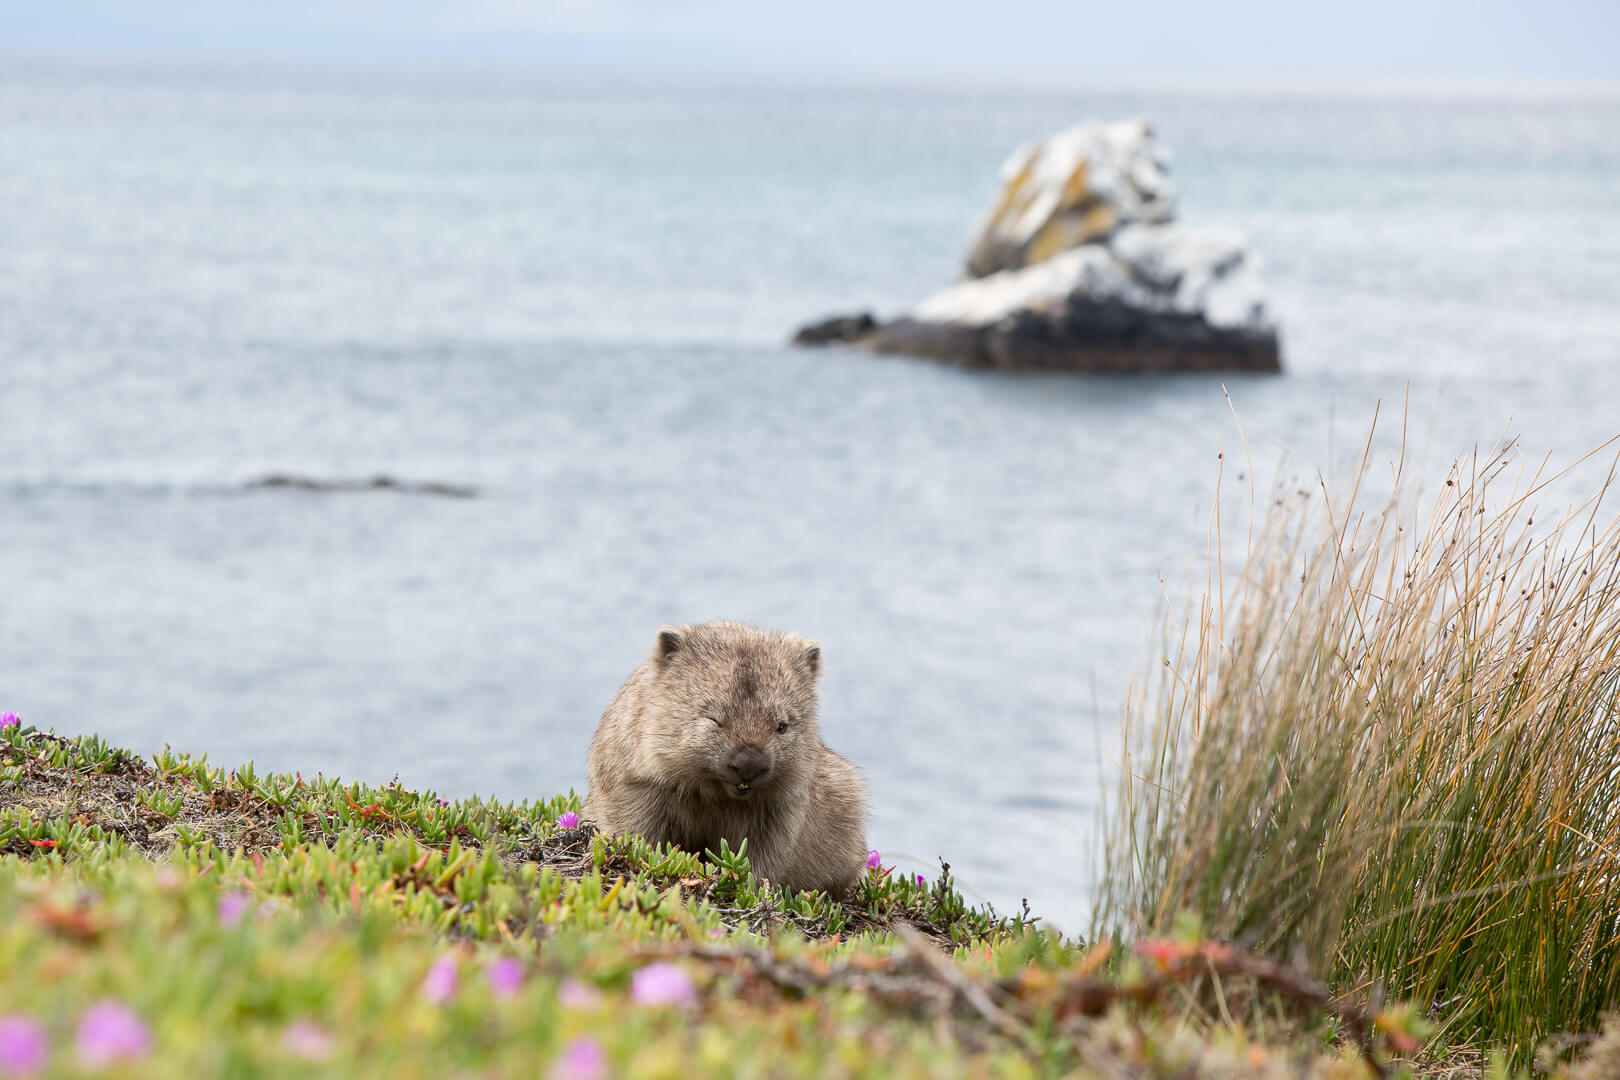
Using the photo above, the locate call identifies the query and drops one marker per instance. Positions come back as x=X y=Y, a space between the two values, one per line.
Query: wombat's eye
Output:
x=781 y=726
x=712 y=719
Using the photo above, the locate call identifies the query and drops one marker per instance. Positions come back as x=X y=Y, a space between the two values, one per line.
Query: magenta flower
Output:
x=921 y=881
x=505 y=976
x=568 y=821
x=304 y=1039
x=661 y=985
x=573 y=994
x=109 y=1032
x=9 y=719
x=874 y=861
x=232 y=906
x=23 y=1047
x=439 y=985
x=582 y=1059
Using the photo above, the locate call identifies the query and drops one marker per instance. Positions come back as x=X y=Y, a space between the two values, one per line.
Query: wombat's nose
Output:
x=748 y=765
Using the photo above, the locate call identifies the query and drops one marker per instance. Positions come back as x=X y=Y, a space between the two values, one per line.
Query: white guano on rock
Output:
x=1073 y=188
x=1163 y=268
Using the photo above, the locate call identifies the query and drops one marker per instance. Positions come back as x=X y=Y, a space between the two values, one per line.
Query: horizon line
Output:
x=1373 y=85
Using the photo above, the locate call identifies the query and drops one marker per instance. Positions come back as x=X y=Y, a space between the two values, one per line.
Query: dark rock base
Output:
x=1083 y=336
x=837 y=330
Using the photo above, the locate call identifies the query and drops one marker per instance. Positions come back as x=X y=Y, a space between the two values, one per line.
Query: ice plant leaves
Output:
x=667 y=962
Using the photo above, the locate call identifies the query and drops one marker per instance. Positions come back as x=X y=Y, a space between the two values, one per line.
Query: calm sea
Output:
x=571 y=291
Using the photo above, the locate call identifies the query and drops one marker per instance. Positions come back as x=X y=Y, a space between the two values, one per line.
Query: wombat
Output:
x=713 y=737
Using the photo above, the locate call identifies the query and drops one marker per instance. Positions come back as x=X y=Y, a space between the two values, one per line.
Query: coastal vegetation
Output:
x=167 y=917
x=1391 y=750
x=1387 y=753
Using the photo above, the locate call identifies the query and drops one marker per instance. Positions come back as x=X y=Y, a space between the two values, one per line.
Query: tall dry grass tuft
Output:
x=1397 y=757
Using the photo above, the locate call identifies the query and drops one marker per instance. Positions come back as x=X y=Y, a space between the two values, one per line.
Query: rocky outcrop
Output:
x=1074 y=188
x=1078 y=266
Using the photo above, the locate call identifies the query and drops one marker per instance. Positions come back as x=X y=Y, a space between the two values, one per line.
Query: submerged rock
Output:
x=1078 y=267
x=380 y=482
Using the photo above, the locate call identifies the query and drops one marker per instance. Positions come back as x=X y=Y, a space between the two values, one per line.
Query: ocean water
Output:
x=571 y=290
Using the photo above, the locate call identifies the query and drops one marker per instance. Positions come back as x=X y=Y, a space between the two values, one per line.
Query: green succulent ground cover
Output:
x=169 y=918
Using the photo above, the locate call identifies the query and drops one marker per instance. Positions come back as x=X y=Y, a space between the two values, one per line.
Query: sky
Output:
x=1005 y=39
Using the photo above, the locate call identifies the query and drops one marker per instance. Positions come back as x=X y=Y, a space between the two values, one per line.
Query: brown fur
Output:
x=711 y=697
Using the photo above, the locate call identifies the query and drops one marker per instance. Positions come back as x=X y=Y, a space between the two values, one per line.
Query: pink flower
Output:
x=874 y=861
x=305 y=1039
x=1164 y=954
x=582 y=1059
x=661 y=984
x=9 y=719
x=573 y=994
x=439 y=985
x=505 y=977
x=109 y=1032
x=23 y=1046
x=568 y=821
x=232 y=906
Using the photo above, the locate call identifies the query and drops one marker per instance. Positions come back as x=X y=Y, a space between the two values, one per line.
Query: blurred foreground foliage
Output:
x=247 y=925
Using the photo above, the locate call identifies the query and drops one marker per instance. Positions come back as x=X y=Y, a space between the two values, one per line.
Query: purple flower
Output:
x=23 y=1047
x=232 y=906
x=921 y=881
x=661 y=984
x=305 y=1039
x=568 y=821
x=9 y=719
x=874 y=861
x=439 y=985
x=573 y=994
x=108 y=1032
x=582 y=1059
x=505 y=977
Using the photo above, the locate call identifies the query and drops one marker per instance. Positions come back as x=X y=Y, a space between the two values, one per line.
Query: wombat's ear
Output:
x=671 y=639
x=810 y=654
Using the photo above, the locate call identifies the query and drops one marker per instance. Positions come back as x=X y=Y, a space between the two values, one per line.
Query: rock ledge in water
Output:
x=1077 y=267
x=838 y=329
x=381 y=482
